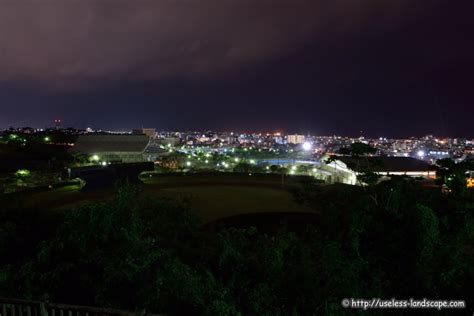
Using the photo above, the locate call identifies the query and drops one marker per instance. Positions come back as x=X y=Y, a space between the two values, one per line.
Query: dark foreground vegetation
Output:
x=395 y=239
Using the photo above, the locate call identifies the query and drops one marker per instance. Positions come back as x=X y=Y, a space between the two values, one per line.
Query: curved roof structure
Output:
x=99 y=143
x=386 y=164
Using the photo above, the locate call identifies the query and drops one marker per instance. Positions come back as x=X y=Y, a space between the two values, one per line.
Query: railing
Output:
x=16 y=307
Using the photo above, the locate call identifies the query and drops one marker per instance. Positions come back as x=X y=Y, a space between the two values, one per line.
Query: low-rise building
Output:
x=345 y=169
x=112 y=147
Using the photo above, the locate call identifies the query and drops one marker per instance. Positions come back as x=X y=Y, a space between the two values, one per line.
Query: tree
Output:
x=243 y=167
x=452 y=174
x=358 y=149
x=110 y=252
x=276 y=169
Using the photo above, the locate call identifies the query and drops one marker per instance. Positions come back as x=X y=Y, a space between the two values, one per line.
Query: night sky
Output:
x=391 y=68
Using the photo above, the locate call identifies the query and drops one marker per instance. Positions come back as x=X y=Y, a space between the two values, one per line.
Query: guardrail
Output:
x=17 y=307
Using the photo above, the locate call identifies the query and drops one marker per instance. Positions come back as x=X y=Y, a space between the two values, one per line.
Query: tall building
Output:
x=295 y=139
x=57 y=123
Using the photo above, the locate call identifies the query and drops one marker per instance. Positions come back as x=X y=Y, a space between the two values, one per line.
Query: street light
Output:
x=307 y=146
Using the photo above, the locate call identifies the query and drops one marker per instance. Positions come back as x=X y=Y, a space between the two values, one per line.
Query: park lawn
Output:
x=47 y=197
x=211 y=197
x=61 y=198
x=221 y=178
x=215 y=202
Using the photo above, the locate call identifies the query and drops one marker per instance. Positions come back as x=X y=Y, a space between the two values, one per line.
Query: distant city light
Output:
x=188 y=163
x=421 y=153
x=95 y=157
x=307 y=146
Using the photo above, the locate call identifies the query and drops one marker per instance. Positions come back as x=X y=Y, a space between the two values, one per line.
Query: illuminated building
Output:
x=295 y=139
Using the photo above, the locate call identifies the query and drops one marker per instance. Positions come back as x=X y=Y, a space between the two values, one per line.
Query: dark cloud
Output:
x=388 y=67
x=75 y=44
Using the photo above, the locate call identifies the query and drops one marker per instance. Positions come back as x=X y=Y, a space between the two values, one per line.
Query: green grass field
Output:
x=211 y=197
x=214 y=202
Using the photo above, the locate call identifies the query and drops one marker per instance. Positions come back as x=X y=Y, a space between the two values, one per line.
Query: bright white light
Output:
x=252 y=161
x=307 y=146
x=188 y=163
x=95 y=158
x=207 y=161
x=236 y=159
x=421 y=153
x=104 y=163
x=293 y=168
